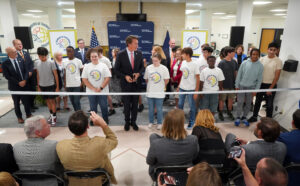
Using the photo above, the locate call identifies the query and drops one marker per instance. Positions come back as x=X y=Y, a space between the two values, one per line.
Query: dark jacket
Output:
x=7 y=160
x=79 y=56
x=27 y=60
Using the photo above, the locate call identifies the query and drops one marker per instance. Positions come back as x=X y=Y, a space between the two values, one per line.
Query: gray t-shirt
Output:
x=45 y=70
x=229 y=68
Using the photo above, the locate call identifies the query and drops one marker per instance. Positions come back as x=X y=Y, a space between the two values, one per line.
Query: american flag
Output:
x=94 y=40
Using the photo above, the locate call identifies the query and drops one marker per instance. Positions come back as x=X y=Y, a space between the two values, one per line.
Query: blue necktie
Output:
x=18 y=69
x=82 y=55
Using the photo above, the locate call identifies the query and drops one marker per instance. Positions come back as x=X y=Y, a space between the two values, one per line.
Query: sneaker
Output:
x=252 y=119
x=111 y=112
x=230 y=115
x=49 y=119
x=245 y=121
x=141 y=108
x=53 y=121
x=237 y=122
x=150 y=125
x=158 y=127
x=221 y=117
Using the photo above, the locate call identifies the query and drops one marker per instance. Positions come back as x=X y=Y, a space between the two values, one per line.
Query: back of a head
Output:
x=6 y=179
x=204 y=174
x=32 y=125
x=206 y=119
x=296 y=118
x=173 y=126
x=270 y=129
x=78 y=123
x=272 y=173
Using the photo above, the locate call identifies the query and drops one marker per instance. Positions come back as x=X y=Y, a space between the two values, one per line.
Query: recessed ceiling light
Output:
x=278 y=10
x=219 y=13
x=72 y=10
x=194 y=4
x=280 y=14
x=60 y=3
x=35 y=11
x=190 y=11
x=261 y=2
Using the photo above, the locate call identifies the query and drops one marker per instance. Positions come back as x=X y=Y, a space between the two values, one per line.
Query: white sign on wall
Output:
x=59 y=40
x=194 y=39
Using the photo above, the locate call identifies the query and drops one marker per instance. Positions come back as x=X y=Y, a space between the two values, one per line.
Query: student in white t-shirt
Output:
x=189 y=83
x=211 y=79
x=157 y=77
x=72 y=68
x=96 y=77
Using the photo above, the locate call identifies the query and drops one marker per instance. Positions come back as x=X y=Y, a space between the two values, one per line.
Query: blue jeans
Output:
x=191 y=104
x=75 y=100
x=158 y=103
x=102 y=101
x=210 y=101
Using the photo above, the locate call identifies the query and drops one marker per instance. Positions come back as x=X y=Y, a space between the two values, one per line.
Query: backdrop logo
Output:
x=146 y=41
x=155 y=77
x=194 y=42
x=135 y=25
x=63 y=42
x=146 y=30
x=114 y=36
x=124 y=30
x=113 y=25
x=39 y=33
x=96 y=75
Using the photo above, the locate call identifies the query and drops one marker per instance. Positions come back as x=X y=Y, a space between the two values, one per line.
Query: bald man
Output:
x=17 y=74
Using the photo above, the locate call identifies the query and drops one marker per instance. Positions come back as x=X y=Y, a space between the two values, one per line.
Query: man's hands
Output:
x=159 y=183
x=242 y=160
x=30 y=74
x=128 y=79
x=22 y=83
x=97 y=120
x=242 y=141
x=134 y=79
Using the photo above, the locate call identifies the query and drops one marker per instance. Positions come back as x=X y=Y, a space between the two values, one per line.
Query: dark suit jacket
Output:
x=78 y=55
x=27 y=60
x=13 y=77
x=7 y=160
x=123 y=68
x=167 y=53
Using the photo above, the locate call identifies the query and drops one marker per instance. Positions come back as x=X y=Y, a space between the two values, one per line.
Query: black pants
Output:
x=269 y=100
x=130 y=108
x=25 y=101
x=32 y=87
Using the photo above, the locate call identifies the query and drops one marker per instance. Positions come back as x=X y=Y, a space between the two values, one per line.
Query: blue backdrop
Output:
x=119 y=30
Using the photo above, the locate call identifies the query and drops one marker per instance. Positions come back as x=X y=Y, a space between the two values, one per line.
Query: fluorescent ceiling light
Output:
x=60 y=3
x=35 y=11
x=194 y=4
x=261 y=2
x=36 y=16
x=68 y=16
x=190 y=11
x=280 y=14
x=219 y=13
x=278 y=10
x=231 y=16
x=72 y=10
x=27 y=14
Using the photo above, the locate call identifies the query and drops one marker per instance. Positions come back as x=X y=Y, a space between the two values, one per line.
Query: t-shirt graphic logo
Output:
x=71 y=68
x=185 y=73
x=212 y=80
x=156 y=77
x=96 y=75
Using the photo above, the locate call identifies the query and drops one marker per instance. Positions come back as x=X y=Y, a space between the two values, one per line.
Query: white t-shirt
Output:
x=156 y=80
x=189 y=71
x=96 y=75
x=211 y=78
x=202 y=63
x=106 y=61
x=72 y=68
x=270 y=67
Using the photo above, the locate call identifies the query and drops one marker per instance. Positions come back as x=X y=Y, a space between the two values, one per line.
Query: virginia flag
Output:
x=166 y=42
x=94 y=41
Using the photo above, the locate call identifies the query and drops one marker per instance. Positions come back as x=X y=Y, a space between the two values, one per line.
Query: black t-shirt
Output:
x=228 y=68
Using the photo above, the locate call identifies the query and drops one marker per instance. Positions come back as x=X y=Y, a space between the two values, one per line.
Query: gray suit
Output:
x=37 y=154
x=164 y=151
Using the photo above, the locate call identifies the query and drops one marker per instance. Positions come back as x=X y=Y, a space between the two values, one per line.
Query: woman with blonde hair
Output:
x=6 y=179
x=159 y=50
x=174 y=147
x=212 y=148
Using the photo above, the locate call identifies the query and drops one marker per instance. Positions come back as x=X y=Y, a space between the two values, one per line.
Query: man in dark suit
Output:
x=170 y=58
x=129 y=67
x=17 y=75
x=25 y=58
x=81 y=51
x=7 y=160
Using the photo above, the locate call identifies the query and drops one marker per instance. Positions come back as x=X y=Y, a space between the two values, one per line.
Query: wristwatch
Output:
x=101 y=88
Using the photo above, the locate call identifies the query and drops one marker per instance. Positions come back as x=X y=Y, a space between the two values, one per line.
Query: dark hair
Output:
x=228 y=50
x=273 y=44
x=222 y=54
x=70 y=47
x=42 y=51
x=208 y=49
x=99 y=49
x=204 y=45
x=211 y=57
x=239 y=46
x=272 y=173
x=255 y=49
x=296 y=118
x=188 y=51
x=91 y=50
x=78 y=123
x=270 y=129
x=175 y=48
x=157 y=55
x=129 y=39
x=78 y=40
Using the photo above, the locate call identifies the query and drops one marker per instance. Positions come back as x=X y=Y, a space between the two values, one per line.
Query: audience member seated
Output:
x=37 y=153
x=211 y=145
x=268 y=172
x=267 y=131
x=83 y=153
x=7 y=160
x=292 y=142
x=174 y=147
x=6 y=179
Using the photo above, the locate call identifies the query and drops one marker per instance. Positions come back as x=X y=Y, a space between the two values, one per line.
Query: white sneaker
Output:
x=158 y=127
x=53 y=122
x=150 y=125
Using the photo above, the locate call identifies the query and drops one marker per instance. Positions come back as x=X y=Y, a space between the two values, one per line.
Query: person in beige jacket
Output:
x=83 y=153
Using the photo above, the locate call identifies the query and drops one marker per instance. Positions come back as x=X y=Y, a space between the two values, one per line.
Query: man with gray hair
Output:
x=37 y=153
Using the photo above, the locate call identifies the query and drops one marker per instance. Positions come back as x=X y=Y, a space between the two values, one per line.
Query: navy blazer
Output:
x=123 y=68
x=167 y=53
x=79 y=56
x=27 y=60
x=13 y=77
